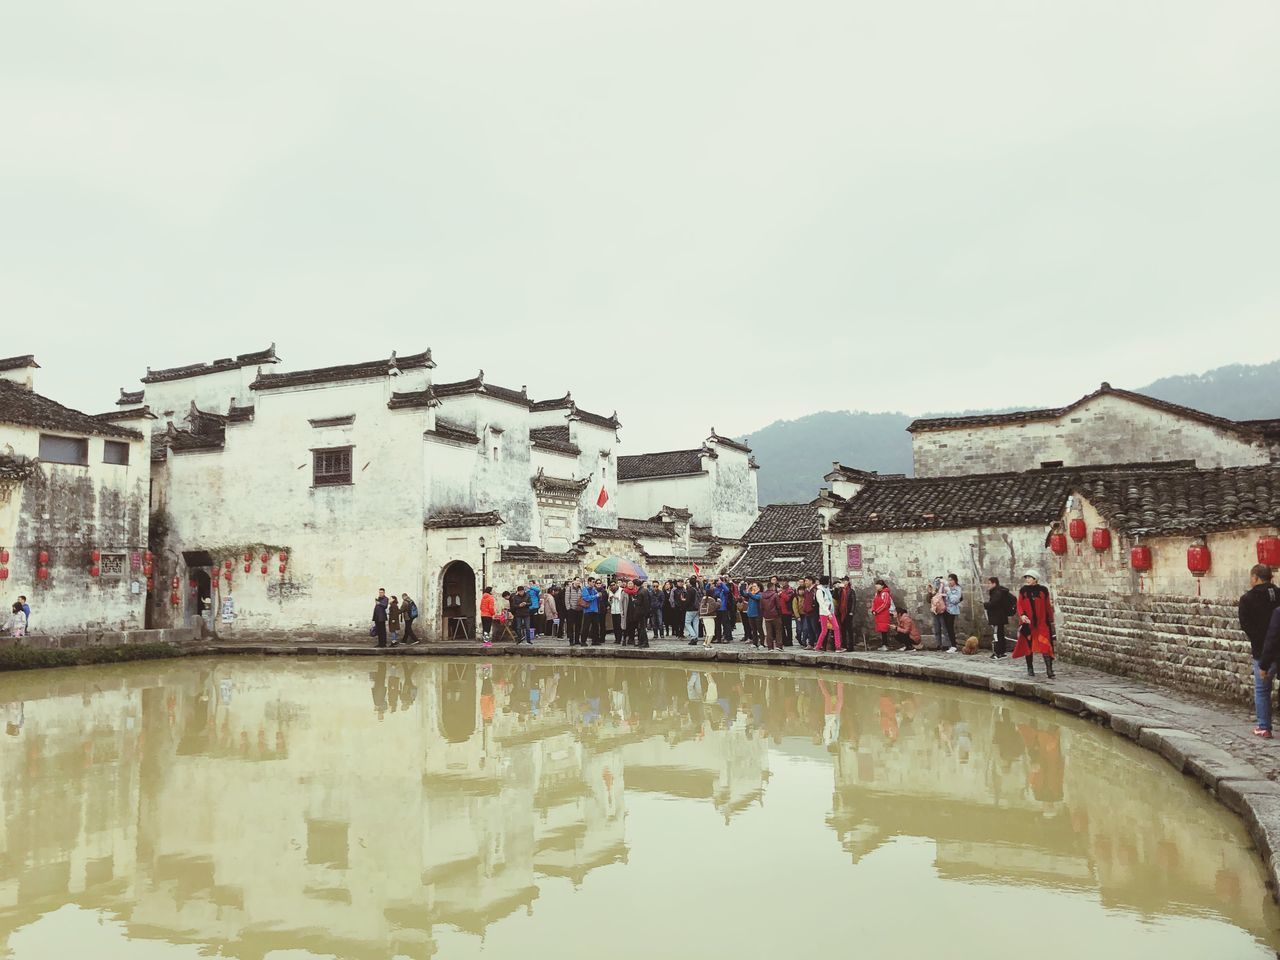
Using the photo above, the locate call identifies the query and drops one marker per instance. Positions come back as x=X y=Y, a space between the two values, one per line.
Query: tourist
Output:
x=826 y=615
x=686 y=596
x=709 y=614
x=845 y=599
x=952 y=596
x=409 y=611
x=379 y=630
x=1256 y=610
x=521 y=605
x=534 y=593
x=589 y=602
x=573 y=610
x=639 y=610
x=937 y=593
x=562 y=609
x=657 y=608
x=908 y=631
x=750 y=607
x=1036 y=633
x=771 y=616
x=785 y=614
x=1000 y=606
x=393 y=620
x=26 y=611
x=488 y=611
x=16 y=626
x=617 y=611
x=880 y=607
x=724 y=625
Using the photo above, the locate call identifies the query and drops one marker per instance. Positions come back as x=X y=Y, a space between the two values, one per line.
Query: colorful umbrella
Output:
x=618 y=567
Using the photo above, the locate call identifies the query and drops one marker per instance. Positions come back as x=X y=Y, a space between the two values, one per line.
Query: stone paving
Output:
x=1206 y=739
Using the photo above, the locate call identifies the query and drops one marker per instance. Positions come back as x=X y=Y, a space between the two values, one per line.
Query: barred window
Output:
x=55 y=449
x=331 y=468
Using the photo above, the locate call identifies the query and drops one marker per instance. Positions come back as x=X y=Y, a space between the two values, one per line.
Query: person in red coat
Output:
x=881 y=603
x=1036 y=629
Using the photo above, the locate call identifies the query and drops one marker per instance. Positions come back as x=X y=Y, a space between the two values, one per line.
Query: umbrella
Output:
x=618 y=567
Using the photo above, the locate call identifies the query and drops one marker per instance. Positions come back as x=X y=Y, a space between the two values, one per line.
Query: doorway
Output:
x=458 y=601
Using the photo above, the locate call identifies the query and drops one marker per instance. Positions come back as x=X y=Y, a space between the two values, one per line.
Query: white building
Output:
x=73 y=512
x=717 y=482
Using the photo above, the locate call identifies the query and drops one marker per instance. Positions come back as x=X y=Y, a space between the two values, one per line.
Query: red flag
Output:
x=697 y=570
x=603 y=498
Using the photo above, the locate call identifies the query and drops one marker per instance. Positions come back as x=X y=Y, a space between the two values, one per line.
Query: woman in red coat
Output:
x=1035 y=618
x=881 y=603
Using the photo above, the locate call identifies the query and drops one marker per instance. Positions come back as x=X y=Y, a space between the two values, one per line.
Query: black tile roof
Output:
x=239 y=414
x=780 y=522
x=413 y=399
x=217 y=366
x=131 y=413
x=840 y=472
x=529 y=554
x=788 y=560
x=477 y=385
x=490 y=518
x=679 y=512
x=730 y=442
x=671 y=463
x=553 y=438
x=586 y=416
x=27 y=408
x=129 y=398
x=19 y=363
x=925 y=424
x=1153 y=501
x=350 y=371
x=652 y=529
x=559 y=403
x=448 y=431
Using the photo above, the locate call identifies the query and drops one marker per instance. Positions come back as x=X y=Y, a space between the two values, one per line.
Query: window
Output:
x=64 y=449
x=331 y=468
x=115 y=451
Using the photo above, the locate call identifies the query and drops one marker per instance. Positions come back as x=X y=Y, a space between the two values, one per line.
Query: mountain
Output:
x=795 y=454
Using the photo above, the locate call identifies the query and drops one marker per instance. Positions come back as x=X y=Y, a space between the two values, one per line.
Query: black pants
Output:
x=617 y=627
x=787 y=639
x=724 y=626
x=486 y=627
x=949 y=626
x=998 y=630
x=381 y=627
x=409 y=635
x=590 y=628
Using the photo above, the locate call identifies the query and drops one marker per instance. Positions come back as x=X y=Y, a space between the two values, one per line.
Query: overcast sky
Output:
x=699 y=212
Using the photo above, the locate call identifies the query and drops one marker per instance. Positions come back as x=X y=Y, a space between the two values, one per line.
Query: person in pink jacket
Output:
x=881 y=604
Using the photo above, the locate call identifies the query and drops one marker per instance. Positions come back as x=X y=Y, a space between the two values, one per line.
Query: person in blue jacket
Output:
x=535 y=607
x=591 y=613
x=724 y=622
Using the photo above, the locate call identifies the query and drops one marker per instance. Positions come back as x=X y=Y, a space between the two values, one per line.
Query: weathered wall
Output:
x=1108 y=429
x=68 y=511
x=907 y=560
x=735 y=497
x=641 y=499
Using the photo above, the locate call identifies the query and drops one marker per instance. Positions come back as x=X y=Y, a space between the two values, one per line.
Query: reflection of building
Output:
x=364 y=809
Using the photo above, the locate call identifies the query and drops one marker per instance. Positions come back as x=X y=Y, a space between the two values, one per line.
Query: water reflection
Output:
x=352 y=811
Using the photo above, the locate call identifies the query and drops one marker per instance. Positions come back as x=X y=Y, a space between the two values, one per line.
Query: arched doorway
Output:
x=203 y=598
x=458 y=601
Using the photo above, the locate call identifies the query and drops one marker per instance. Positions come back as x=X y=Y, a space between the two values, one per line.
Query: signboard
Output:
x=112 y=565
x=228 y=609
x=855 y=558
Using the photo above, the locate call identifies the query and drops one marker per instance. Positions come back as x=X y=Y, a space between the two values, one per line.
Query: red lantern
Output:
x=94 y=571
x=43 y=557
x=42 y=573
x=284 y=557
x=1101 y=539
x=246 y=568
x=264 y=568
x=173 y=584
x=226 y=575
x=4 y=556
x=1140 y=559
x=4 y=573
x=282 y=568
x=192 y=584
x=1058 y=543
x=247 y=556
x=1076 y=529
x=173 y=599
x=95 y=555
x=150 y=584
x=146 y=556
x=1269 y=551
x=1198 y=559
x=226 y=565
x=264 y=558
x=147 y=569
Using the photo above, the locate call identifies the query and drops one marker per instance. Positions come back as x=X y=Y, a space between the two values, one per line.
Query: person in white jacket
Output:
x=826 y=614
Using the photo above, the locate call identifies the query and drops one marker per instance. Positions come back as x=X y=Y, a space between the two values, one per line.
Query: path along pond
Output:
x=353 y=808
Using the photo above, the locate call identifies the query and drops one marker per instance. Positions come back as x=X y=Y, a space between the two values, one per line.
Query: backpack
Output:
x=413 y=611
x=939 y=603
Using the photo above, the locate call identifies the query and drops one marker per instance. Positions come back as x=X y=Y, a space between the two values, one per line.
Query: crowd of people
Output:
x=18 y=624
x=813 y=614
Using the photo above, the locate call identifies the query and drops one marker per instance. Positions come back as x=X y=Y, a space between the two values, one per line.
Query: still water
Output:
x=350 y=808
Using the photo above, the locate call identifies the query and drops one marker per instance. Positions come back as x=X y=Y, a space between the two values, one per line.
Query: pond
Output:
x=412 y=807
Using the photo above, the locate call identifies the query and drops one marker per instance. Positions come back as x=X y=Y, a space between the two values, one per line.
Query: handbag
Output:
x=373 y=631
x=939 y=603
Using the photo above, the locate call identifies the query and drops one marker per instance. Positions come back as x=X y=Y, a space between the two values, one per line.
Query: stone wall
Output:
x=1190 y=643
x=1107 y=429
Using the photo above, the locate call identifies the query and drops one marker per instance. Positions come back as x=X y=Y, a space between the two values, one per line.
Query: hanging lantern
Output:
x=1140 y=559
x=1269 y=551
x=173 y=584
x=4 y=556
x=42 y=573
x=264 y=568
x=146 y=556
x=150 y=584
x=95 y=555
x=1076 y=529
x=226 y=565
x=248 y=556
x=4 y=573
x=284 y=557
x=1198 y=559
x=1101 y=539
x=94 y=570
x=147 y=569
x=226 y=575
x=43 y=558
x=173 y=599
x=282 y=568
x=264 y=558
x=1058 y=543
x=246 y=568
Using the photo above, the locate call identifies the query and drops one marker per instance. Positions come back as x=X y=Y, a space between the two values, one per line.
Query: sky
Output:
x=700 y=213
